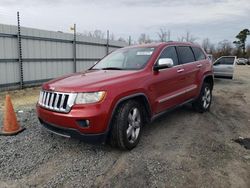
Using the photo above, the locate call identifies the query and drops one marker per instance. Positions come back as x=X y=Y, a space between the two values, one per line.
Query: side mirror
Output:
x=164 y=63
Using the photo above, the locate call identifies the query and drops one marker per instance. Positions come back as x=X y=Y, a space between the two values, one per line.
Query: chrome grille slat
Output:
x=62 y=101
x=44 y=97
x=51 y=100
x=56 y=100
x=59 y=101
x=47 y=100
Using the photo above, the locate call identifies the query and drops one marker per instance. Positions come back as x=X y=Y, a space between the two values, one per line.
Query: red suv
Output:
x=130 y=87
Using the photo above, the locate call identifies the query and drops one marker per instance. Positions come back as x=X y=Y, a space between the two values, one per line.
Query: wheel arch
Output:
x=209 y=79
x=140 y=97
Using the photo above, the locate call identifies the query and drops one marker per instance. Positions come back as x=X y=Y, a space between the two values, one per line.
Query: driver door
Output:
x=167 y=85
x=224 y=66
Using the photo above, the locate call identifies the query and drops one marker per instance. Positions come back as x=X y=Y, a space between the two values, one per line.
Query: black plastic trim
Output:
x=73 y=133
x=170 y=109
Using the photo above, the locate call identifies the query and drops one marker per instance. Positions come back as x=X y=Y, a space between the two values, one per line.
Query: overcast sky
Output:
x=215 y=19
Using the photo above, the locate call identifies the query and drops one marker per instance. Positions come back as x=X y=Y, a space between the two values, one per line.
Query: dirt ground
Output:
x=180 y=149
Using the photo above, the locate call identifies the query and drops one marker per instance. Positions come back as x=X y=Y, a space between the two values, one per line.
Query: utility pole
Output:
x=74 y=49
x=129 y=40
x=20 y=58
x=107 y=42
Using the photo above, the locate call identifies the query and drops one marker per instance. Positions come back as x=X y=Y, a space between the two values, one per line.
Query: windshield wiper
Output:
x=112 y=68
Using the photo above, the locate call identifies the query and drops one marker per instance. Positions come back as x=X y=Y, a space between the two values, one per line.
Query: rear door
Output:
x=191 y=71
x=167 y=84
x=224 y=66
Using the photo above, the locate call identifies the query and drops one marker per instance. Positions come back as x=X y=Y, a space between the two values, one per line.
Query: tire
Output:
x=203 y=102
x=127 y=125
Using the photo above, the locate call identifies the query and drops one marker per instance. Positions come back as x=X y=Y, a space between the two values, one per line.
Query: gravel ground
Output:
x=180 y=149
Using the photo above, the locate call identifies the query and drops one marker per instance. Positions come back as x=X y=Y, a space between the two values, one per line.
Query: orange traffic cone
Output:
x=10 y=124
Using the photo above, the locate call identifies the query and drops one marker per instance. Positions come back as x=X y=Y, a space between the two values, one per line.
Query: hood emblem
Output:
x=52 y=88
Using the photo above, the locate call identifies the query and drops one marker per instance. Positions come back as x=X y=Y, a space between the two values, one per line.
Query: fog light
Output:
x=83 y=123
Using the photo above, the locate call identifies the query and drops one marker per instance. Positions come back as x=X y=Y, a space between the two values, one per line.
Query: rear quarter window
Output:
x=185 y=54
x=198 y=53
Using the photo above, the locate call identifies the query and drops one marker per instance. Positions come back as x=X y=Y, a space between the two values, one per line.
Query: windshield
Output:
x=125 y=59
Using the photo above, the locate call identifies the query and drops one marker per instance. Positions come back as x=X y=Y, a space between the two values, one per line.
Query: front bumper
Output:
x=73 y=133
x=67 y=124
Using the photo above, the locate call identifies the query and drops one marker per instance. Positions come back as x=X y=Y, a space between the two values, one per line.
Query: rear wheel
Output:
x=127 y=125
x=203 y=102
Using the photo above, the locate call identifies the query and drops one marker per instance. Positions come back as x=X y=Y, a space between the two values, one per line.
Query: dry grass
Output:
x=19 y=98
x=242 y=73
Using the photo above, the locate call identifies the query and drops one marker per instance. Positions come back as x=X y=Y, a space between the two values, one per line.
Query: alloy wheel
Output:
x=134 y=125
x=206 y=98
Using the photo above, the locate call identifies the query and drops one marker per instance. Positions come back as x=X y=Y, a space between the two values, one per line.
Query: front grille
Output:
x=57 y=101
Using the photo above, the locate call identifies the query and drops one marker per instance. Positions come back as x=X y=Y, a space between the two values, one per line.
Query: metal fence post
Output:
x=107 y=42
x=74 y=49
x=20 y=58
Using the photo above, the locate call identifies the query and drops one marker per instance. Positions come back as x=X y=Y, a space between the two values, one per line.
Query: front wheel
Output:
x=203 y=102
x=127 y=125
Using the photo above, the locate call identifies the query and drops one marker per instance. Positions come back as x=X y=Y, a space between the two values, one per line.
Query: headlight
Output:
x=91 y=97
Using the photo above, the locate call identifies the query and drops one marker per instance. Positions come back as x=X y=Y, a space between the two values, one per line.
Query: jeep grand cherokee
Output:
x=127 y=89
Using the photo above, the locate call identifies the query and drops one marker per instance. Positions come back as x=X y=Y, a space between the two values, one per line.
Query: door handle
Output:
x=180 y=70
x=199 y=65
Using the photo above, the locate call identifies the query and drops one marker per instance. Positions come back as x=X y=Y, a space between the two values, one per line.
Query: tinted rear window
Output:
x=198 y=53
x=185 y=54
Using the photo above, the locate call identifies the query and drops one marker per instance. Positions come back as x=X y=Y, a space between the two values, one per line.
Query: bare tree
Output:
x=144 y=39
x=205 y=44
x=131 y=41
x=163 y=35
x=99 y=34
x=122 y=39
x=224 y=48
x=212 y=49
x=169 y=35
x=208 y=46
x=96 y=34
x=112 y=36
x=187 y=38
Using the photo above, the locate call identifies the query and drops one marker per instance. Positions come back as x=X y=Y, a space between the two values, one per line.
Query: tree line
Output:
x=237 y=48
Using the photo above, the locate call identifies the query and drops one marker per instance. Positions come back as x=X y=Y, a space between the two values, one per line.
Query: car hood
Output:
x=91 y=80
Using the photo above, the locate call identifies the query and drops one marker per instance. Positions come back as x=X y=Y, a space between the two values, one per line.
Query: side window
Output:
x=225 y=61
x=170 y=52
x=228 y=61
x=198 y=53
x=185 y=54
x=218 y=62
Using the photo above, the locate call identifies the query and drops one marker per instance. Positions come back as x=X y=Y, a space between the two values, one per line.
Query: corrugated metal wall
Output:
x=46 y=54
